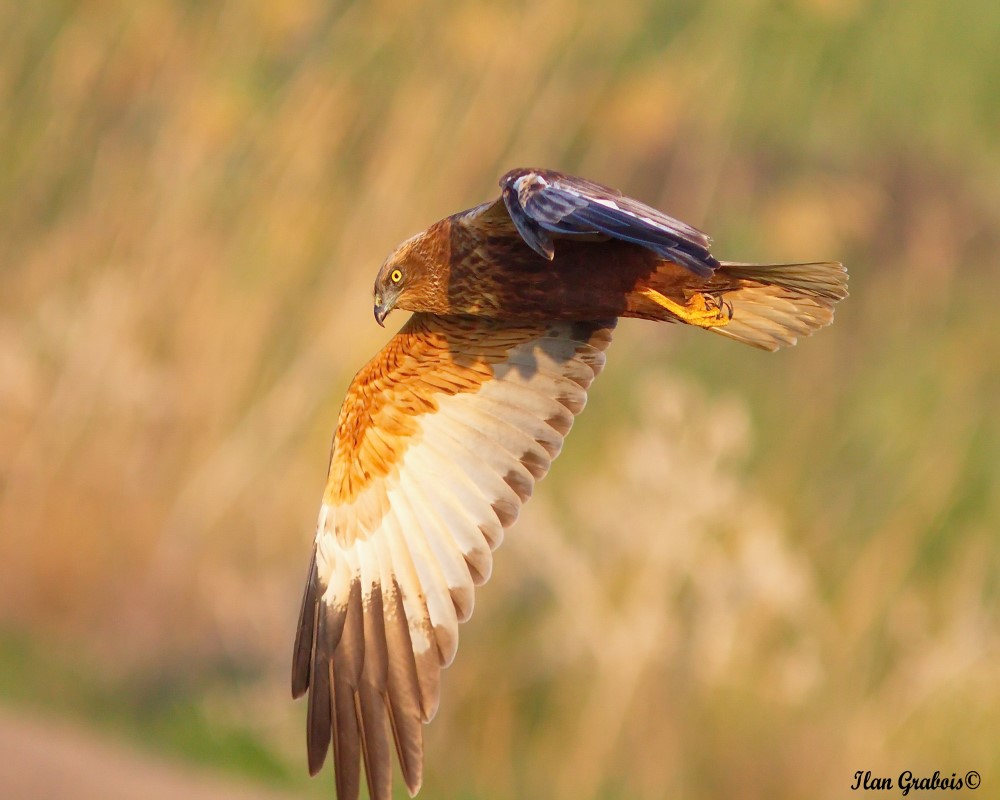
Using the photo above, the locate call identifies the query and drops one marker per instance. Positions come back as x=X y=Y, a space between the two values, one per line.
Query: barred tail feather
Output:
x=773 y=304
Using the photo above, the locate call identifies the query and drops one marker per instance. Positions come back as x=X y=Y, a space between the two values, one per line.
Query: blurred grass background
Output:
x=750 y=575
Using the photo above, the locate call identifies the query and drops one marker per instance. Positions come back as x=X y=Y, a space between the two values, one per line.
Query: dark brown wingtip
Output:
x=404 y=700
x=318 y=716
x=347 y=723
x=304 y=636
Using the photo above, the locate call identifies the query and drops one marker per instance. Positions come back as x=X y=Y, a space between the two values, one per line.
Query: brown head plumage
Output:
x=414 y=275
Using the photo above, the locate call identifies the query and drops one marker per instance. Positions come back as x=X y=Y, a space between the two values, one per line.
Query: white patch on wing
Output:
x=529 y=181
x=607 y=203
x=414 y=598
x=440 y=607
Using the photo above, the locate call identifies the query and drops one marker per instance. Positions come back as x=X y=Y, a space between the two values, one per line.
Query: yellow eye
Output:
x=396 y=276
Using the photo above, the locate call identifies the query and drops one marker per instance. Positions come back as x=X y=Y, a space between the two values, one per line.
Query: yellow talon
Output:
x=700 y=310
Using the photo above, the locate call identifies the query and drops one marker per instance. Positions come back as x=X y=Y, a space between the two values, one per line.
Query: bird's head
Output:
x=407 y=279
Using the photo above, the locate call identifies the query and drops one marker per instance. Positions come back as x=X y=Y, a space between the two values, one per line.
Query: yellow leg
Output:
x=705 y=312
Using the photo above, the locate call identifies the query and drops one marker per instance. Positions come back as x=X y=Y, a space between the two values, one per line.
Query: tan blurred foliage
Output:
x=194 y=198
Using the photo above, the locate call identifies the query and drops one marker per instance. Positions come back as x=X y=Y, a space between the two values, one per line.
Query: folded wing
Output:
x=543 y=202
x=439 y=443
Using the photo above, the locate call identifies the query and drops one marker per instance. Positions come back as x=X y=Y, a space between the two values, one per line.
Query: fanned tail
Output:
x=771 y=305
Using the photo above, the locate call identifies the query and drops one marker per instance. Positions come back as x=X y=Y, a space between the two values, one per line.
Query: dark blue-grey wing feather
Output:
x=543 y=202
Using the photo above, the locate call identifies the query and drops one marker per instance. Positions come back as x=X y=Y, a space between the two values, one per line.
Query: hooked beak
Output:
x=382 y=310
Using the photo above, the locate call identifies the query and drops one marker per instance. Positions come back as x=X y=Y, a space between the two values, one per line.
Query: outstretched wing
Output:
x=543 y=202
x=440 y=440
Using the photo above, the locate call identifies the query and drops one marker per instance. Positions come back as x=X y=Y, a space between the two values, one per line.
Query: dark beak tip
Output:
x=380 y=315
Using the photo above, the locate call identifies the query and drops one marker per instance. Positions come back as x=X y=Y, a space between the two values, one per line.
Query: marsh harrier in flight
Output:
x=445 y=432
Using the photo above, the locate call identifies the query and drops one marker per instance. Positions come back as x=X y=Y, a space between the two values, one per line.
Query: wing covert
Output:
x=439 y=443
x=544 y=202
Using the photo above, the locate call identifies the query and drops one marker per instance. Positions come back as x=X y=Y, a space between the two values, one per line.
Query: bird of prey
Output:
x=444 y=433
